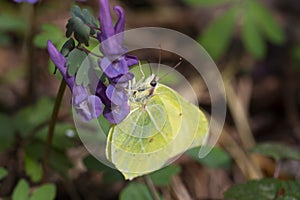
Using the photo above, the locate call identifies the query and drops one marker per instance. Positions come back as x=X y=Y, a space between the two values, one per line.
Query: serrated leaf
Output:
x=79 y=24
x=216 y=38
x=264 y=189
x=45 y=192
x=48 y=32
x=33 y=169
x=84 y=15
x=163 y=176
x=217 y=158
x=81 y=30
x=68 y=46
x=267 y=23
x=21 y=191
x=206 y=2
x=135 y=191
x=74 y=61
x=6 y=133
x=3 y=173
x=251 y=35
x=277 y=151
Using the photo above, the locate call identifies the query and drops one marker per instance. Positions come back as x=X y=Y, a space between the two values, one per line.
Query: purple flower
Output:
x=116 y=113
x=87 y=106
x=28 y=1
x=114 y=63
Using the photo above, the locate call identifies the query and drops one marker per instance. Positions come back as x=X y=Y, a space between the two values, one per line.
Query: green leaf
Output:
x=276 y=151
x=109 y=175
x=45 y=192
x=21 y=191
x=6 y=133
x=3 y=173
x=12 y=23
x=74 y=61
x=79 y=25
x=33 y=116
x=61 y=140
x=105 y=125
x=48 y=32
x=267 y=23
x=251 y=35
x=68 y=46
x=112 y=176
x=57 y=161
x=163 y=176
x=33 y=169
x=216 y=38
x=88 y=71
x=264 y=189
x=81 y=31
x=217 y=158
x=135 y=191
x=206 y=2
x=93 y=164
x=60 y=162
x=5 y=39
x=84 y=15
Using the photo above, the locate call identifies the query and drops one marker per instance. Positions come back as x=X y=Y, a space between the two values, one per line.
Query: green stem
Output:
x=151 y=186
x=52 y=124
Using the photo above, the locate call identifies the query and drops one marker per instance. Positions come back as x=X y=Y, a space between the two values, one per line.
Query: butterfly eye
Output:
x=153 y=83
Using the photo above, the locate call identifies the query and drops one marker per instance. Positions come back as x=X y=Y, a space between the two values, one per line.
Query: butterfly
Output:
x=161 y=125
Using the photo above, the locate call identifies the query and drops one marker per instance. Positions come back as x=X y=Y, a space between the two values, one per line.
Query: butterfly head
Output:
x=143 y=90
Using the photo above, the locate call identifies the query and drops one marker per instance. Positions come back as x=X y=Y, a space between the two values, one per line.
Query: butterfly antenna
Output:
x=159 y=59
x=150 y=67
x=140 y=66
x=173 y=68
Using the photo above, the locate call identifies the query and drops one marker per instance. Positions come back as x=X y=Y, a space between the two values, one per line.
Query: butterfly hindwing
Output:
x=153 y=134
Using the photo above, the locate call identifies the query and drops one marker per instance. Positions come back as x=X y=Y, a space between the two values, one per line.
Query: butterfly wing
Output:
x=152 y=135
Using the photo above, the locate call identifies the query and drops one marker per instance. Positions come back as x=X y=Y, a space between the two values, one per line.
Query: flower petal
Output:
x=131 y=60
x=120 y=24
x=60 y=61
x=79 y=94
x=89 y=109
x=115 y=68
x=116 y=114
x=117 y=96
x=100 y=92
x=123 y=79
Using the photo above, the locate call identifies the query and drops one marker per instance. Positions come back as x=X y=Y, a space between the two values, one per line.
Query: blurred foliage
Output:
x=162 y=177
x=49 y=32
x=135 y=191
x=110 y=175
x=3 y=173
x=44 y=192
x=264 y=189
x=276 y=151
x=10 y=23
x=255 y=21
x=217 y=157
x=249 y=20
